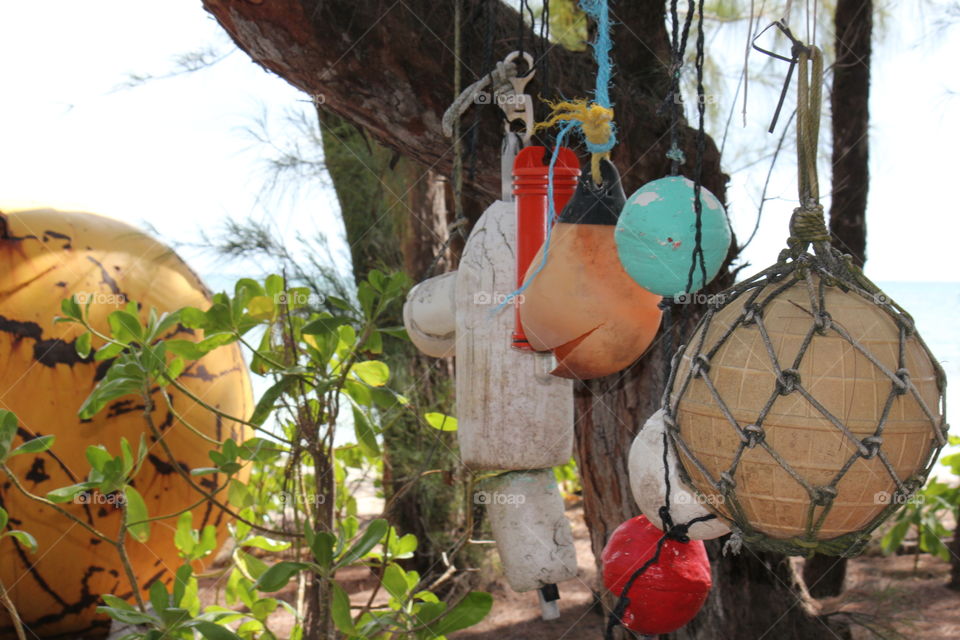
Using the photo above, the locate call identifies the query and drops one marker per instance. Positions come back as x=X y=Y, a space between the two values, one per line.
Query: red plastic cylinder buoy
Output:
x=670 y=592
x=530 y=175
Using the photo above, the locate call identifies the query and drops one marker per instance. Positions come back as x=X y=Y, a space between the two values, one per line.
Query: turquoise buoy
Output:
x=656 y=236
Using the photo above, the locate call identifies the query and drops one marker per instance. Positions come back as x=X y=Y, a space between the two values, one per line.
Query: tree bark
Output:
x=824 y=575
x=383 y=67
x=850 y=107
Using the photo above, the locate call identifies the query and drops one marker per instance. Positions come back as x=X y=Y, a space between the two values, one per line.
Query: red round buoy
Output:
x=671 y=591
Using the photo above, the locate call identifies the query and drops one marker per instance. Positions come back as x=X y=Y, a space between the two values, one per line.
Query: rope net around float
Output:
x=815 y=275
x=791 y=499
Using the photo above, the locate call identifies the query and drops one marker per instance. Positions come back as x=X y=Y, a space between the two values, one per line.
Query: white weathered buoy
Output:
x=649 y=490
x=430 y=315
x=512 y=413
x=533 y=536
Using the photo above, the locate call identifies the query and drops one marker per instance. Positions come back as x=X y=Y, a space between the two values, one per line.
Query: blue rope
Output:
x=600 y=12
x=551 y=215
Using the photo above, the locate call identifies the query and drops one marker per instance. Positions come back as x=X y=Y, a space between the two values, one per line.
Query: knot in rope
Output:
x=673 y=531
x=675 y=154
x=807 y=225
x=594 y=120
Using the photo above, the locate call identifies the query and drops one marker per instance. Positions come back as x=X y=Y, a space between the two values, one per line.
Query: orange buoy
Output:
x=581 y=303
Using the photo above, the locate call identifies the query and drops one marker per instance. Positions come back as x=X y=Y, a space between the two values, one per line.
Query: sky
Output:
x=173 y=153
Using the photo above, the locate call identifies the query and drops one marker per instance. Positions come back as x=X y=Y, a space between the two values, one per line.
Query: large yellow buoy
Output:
x=46 y=256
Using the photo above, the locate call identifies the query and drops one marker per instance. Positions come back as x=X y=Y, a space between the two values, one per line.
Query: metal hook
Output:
x=516 y=103
x=797 y=47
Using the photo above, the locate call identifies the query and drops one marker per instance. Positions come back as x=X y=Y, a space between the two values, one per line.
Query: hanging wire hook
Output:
x=797 y=47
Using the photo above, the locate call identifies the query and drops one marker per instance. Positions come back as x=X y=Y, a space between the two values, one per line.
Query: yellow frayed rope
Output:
x=596 y=122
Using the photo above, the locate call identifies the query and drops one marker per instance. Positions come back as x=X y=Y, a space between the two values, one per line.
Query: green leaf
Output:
x=105 y=392
x=117 y=603
x=339 y=303
x=8 y=430
x=184 y=538
x=261 y=542
x=321 y=545
x=324 y=325
x=340 y=609
x=239 y=495
x=468 y=612
x=23 y=538
x=371 y=537
x=187 y=349
x=34 y=445
x=98 y=457
x=441 y=421
x=193 y=318
x=374 y=342
x=261 y=307
x=125 y=326
x=395 y=582
x=269 y=398
x=274 y=284
x=83 y=345
x=213 y=631
x=4 y=518
x=403 y=547
x=366 y=295
x=428 y=612
x=180 y=583
x=894 y=537
x=107 y=351
x=277 y=576
x=136 y=512
x=250 y=566
x=159 y=597
x=396 y=332
x=366 y=437
x=127 y=616
x=373 y=372
x=66 y=494
x=71 y=308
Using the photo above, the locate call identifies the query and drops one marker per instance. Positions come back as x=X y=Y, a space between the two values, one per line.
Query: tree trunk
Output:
x=849 y=103
x=384 y=67
x=824 y=575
